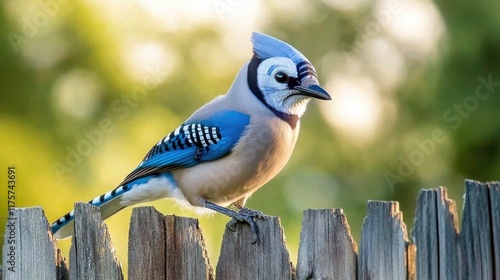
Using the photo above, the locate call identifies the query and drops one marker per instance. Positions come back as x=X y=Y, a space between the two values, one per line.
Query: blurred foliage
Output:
x=89 y=87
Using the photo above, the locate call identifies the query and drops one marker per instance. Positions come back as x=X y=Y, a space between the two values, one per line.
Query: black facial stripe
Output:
x=254 y=87
x=252 y=78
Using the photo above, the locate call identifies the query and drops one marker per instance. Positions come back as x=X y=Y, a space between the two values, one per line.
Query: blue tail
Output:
x=146 y=188
x=108 y=204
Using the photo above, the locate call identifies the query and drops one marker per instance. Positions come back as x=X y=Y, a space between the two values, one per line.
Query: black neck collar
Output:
x=254 y=87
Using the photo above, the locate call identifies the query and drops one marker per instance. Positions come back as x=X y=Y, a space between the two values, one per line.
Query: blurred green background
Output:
x=89 y=87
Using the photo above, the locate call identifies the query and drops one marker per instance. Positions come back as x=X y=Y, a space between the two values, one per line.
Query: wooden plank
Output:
x=30 y=251
x=146 y=245
x=425 y=235
x=266 y=259
x=449 y=245
x=411 y=252
x=382 y=252
x=186 y=255
x=327 y=249
x=435 y=234
x=476 y=237
x=92 y=255
x=495 y=220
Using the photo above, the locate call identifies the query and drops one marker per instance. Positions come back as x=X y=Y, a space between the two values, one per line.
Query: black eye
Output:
x=281 y=77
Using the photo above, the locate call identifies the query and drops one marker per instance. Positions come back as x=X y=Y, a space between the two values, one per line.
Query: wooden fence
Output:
x=171 y=247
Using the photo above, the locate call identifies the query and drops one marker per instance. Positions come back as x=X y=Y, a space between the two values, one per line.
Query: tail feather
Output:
x=143 y=189
x=108 y=204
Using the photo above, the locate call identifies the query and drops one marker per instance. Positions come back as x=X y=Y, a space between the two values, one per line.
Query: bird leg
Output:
x=244 y=215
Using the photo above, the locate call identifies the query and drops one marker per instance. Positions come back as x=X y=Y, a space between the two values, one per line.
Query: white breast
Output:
x=261 y=153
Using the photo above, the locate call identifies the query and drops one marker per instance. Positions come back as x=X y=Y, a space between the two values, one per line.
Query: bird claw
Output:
x=252 y=213
x=247 y=215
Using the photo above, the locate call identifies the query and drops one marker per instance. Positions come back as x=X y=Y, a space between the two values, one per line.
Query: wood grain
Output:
x=327 y=249
x=146 y=245
x=186 y=255
x=435 y=234
x=30 y=251
x=267 y=259
x=477 y=235
x=383 y=244
x=92 y=255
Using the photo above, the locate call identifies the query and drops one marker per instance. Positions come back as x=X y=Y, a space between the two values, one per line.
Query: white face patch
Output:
x=276 y=94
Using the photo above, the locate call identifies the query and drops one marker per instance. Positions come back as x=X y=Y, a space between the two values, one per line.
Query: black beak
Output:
x=314 y=91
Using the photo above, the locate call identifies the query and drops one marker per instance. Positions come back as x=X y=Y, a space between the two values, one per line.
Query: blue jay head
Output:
x=282 y=78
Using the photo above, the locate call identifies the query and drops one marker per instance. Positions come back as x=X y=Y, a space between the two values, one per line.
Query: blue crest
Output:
x=265 y=46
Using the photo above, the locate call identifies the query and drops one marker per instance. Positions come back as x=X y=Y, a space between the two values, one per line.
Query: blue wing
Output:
x=188 y=145
x=193 y=143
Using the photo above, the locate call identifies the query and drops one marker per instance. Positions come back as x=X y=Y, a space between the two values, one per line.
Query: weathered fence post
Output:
x=383 y=248
x=92 y=255
x=186 y=255
x=146 y=245
x=267 y=259
x=435 y=234
x=166 y=247
x=479 y=231
x=495 y=220
x=29 y=250
x=327 y=249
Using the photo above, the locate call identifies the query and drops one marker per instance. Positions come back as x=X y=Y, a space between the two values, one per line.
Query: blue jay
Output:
x=229 y=147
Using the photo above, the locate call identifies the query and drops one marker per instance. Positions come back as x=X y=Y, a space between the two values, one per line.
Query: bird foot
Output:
x=246 y=215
